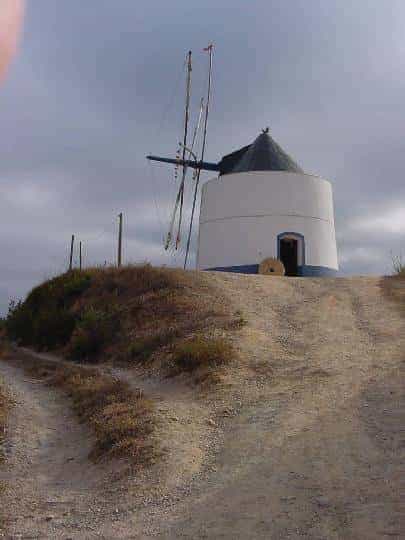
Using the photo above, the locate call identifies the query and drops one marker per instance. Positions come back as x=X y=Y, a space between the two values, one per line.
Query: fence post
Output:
x=120 y=240
x=72 y=243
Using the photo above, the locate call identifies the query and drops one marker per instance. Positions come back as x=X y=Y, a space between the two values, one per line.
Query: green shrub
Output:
x=60 y=291
x=45 y=329
x=43 y=320
x=19 y=323
x=94 y=329
x=142 y=349
x=202 y=353
x=52 y=328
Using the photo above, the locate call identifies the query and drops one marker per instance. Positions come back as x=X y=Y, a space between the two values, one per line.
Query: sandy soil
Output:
x=53 y=490
x=306 y=441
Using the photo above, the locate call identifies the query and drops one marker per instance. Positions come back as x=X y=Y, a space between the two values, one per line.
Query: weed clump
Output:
x=198 y=353
x=141 y=350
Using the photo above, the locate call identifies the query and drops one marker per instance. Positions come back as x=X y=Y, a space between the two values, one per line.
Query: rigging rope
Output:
x=209 y=49
x=166 y=110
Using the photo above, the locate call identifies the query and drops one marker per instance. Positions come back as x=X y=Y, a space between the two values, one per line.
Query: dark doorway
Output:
x=289 y=255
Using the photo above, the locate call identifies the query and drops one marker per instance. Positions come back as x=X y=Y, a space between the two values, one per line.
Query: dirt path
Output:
x=54 y=491
x=182 y=428
x=186 y=438
x=317 y=451
x=314 y=448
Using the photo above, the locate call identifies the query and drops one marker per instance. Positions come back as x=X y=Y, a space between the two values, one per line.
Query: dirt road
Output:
x=314 y=448
x=53 y=489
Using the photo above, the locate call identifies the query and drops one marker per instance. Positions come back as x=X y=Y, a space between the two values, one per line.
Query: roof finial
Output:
x=266 y=130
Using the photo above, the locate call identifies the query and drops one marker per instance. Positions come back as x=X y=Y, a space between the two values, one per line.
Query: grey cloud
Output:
x=89 y=96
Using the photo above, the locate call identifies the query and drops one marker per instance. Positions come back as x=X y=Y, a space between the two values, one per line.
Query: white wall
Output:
x=242 y=215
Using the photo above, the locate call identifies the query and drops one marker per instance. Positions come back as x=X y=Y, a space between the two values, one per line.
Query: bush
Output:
x=20 y=323
x=52 y=328
x=94 y=329
x=142 y=349
x=202 y=353
x=60 y=291
x=44 y=319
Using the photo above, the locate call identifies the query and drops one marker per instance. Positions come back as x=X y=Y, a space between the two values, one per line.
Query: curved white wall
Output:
x=242 y=215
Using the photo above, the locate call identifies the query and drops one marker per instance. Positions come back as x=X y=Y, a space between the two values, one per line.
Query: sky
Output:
x=98 y=85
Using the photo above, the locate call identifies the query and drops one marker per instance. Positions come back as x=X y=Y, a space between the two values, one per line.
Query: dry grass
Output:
x=132 y=315
x=121 y=419
x=202 y=357
x=394 y=289
x=156 y=309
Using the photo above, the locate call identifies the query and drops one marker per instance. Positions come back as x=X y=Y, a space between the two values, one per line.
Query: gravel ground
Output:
x=304 y=441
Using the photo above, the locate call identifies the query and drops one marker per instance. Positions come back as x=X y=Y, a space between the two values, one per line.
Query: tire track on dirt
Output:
x=52 y=489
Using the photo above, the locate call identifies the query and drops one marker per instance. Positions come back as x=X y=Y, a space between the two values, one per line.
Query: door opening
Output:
x=289 y=255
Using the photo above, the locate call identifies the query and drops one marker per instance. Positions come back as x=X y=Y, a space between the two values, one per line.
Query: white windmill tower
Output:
x=261 y=205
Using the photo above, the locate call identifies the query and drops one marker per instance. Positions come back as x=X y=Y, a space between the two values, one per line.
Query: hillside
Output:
x=299 y=436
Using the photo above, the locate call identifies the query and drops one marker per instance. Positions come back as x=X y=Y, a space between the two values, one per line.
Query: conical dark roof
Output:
x=264 y=154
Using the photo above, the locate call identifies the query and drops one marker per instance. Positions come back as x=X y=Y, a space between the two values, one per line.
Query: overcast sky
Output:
x=98 y=84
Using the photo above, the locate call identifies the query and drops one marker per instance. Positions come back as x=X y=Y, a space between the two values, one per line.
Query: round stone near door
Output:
x=271 y=267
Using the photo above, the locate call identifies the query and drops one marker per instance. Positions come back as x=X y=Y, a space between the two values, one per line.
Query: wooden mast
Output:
x=209 y=49
x=184 y=145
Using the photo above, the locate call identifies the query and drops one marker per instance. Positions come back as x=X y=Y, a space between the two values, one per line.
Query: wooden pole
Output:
x=80 y=254
x=187 y=114
x=72 y=243
x=197 y=181
x=120 y=240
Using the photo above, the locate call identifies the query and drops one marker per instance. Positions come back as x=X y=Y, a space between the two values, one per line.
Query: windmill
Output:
x=187 y=158
x=262 y=213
